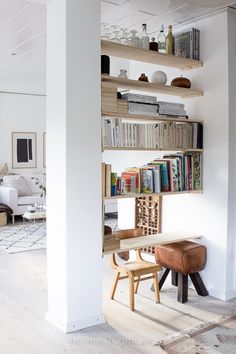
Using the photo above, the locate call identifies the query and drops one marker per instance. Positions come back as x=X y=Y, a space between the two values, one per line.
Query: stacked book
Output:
x=109 y=98
x=164 y=135
x=187 y=44
x=141 y=104
x=172 y=173
x=171 y=109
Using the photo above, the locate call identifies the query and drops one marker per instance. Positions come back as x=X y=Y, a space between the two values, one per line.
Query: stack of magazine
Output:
x=187 y=44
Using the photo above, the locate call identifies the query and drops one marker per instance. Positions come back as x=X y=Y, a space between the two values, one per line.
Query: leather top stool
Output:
x=184 y=259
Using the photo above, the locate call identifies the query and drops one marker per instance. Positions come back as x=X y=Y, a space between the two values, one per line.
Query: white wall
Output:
x=207 y=213
x=231 y=252
x=21 y=113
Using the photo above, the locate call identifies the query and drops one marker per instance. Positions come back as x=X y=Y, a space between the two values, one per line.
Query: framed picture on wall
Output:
x=24 y=150
x=44 y=149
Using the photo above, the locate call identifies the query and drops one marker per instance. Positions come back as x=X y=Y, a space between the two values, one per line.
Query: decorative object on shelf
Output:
x=134 y=39
x=159 y=77
x=170 y=41
x=143 y=77
x=144 y=37
x=161 y=40
x=153 y=45
x=181 y=82
x=105 y=64
x=3 y=169
x=187 y=44
x=23 y=150
x=123 y=74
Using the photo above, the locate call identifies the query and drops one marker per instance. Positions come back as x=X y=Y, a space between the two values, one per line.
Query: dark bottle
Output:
x=105 y=64
x=153 y=45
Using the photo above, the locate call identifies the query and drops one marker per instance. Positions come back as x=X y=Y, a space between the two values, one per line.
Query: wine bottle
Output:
x=161 y=40
x=170 y=41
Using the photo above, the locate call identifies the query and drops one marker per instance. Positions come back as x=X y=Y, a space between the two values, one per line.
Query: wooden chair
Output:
x=134 y=271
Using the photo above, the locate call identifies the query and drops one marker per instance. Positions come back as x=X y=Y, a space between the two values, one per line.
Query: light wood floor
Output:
x=23 y=305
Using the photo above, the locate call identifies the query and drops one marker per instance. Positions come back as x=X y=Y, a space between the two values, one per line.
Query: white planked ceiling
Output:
x=23 y=33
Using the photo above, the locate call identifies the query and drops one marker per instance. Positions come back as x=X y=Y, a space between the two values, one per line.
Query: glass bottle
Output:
x=161 y=40
x=144 y=37
x=170 y=41
x=153 y=45
x=134 y=39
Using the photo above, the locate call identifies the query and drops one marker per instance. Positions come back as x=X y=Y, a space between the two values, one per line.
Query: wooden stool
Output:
x=184 y=259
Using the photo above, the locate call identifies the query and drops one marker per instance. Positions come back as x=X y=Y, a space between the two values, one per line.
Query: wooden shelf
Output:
x=136 y=195
x=150 y=149
x=135 y=117
x=148 y=56
x=153 y=240
x=149 y=87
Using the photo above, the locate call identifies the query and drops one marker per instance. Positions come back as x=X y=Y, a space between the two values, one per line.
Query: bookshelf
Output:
x=137 y=195
x=150 y=87
x=147 y=56
x=138 y=117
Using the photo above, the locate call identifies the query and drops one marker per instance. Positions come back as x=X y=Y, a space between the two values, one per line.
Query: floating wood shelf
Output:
x=150 y=87
x=148 y=56
x=135 y=117
x=153 y=240
x=150 y=149
x=136 y=195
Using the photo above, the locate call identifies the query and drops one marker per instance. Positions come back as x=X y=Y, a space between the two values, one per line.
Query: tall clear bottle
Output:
x=170 y=42
x=144 y=40
x=161 y=40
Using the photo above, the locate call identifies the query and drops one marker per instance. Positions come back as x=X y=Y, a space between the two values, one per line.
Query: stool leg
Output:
x=131 y=291
x=117 y=275
x=136 y=285
x=174 y=278
x=182 y=288
x=156 y=287
x=198 y=284
x=162 y=279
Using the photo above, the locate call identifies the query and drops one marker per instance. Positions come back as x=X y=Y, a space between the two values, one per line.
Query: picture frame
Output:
x=24 y=150
x=44 y=148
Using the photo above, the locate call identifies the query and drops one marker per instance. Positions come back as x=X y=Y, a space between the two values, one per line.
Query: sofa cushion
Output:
x=30 y=200
x=31 y=182
x=17 y=182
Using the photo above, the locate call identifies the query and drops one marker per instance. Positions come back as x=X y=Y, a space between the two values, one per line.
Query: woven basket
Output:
x=3 y=219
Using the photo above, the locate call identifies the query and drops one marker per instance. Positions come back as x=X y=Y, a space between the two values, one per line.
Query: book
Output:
x=103 y=179
x=146 y=180
x=131 y=97
x=108 y=180
x=113 y=184
x=184 y=44
x=131 y=182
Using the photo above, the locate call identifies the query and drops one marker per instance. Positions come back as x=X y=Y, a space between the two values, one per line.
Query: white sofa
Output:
x=24 y=193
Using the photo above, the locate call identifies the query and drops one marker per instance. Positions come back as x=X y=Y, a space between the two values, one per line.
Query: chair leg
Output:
x=156 y=287
x=182 y=288
x=198 y=284
x=131 y=291
x=174 y=277
x=117 y=275
x=136 y=285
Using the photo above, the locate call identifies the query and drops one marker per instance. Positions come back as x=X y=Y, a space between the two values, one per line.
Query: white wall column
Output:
x=74 y=164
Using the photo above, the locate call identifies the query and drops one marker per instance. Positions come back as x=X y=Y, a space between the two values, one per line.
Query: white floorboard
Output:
x=23 y=305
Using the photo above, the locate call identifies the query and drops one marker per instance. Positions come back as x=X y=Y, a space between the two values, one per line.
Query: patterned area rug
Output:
x=23 y=237
x=218 y=337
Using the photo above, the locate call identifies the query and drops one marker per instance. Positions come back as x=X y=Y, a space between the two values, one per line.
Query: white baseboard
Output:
x=68 y=327
x=223 y=295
